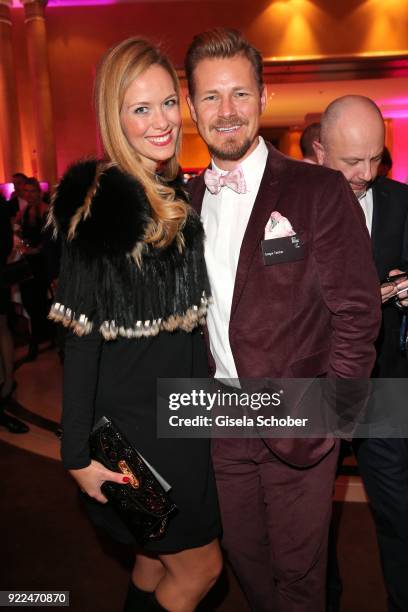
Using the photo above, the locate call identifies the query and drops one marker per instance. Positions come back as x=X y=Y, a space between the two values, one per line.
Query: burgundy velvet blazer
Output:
x=316 y=317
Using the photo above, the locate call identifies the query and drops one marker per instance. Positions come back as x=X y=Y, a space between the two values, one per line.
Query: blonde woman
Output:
x=133 y=290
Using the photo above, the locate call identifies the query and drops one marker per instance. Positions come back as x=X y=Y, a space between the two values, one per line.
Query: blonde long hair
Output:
x=118 y=68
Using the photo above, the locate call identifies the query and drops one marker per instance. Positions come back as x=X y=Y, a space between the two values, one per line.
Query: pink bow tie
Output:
x=234 y=180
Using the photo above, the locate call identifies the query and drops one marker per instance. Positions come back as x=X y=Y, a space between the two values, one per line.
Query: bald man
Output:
x=352 y=141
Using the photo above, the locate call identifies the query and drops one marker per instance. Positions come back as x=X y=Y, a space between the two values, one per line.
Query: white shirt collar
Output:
x=366 y=203
x=365 y=195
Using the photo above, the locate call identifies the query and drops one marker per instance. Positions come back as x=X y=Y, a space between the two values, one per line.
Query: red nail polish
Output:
x=126 y=479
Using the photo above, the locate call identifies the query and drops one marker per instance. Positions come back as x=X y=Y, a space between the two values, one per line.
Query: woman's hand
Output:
x=90 y=479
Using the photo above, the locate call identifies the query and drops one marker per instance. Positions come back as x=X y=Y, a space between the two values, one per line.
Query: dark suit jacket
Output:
x=13 y=206
x=315 y=317
x=389 y=236
x=6 y=233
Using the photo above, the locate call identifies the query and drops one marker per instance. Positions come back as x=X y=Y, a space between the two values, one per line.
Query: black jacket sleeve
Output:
x=81 y=370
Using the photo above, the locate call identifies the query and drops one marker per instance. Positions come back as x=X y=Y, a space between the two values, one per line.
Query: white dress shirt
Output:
x=225 y=217
x=366 y=203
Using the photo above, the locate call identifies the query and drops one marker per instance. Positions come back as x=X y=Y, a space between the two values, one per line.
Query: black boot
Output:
x=137 y=600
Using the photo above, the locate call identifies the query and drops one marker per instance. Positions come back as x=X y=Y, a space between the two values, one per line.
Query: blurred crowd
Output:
x=28 y=269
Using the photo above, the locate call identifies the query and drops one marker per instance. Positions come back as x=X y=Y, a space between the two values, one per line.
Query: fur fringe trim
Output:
x=111 y=280
x=84 y=211
x=82 y=326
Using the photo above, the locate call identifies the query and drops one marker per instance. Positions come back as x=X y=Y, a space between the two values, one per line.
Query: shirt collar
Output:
x=364 y=195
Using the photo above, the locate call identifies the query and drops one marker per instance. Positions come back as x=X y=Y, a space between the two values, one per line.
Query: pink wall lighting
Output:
x=400 y=148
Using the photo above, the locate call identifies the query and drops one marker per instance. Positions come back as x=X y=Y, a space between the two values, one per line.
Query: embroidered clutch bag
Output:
x=144 y=503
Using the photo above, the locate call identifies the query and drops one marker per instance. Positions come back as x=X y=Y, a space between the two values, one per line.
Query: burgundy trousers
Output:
x=275 y=524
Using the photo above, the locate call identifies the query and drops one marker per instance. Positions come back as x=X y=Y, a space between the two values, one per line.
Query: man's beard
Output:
x=231 y=150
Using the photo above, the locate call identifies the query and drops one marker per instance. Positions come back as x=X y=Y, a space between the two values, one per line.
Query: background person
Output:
x=34 y=240
x=6 y=339
x=17 y=202
x=133 y=273
x=307 y=138
x=352 y=141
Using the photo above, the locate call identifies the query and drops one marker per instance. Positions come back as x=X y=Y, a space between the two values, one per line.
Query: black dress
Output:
x=106 y=298
x=121 y=375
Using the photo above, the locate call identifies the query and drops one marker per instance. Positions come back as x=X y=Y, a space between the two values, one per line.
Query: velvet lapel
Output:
x=265 y=203
x=197 y=191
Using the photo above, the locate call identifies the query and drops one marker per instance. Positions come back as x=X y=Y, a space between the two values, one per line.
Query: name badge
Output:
x=282 y=250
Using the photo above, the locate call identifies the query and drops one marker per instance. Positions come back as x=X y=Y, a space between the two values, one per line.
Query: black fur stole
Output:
x=101 y=214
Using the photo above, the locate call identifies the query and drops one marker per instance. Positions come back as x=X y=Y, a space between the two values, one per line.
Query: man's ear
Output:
x=318 y=148
x=192 y=109
x=264 y=98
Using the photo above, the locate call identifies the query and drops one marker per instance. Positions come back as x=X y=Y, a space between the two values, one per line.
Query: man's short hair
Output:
x=221 y=43
x=31 y=180
x=19 y=175
x=309 y=135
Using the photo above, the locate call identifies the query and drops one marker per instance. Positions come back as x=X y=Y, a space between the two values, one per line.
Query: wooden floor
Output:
x=51 y=545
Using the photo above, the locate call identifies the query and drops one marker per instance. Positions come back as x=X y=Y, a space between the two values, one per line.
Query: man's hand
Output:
x=388 y=290
x=399 y=287
x=90 y=479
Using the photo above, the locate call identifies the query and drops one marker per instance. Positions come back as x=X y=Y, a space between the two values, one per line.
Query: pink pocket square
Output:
x=278 y=227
